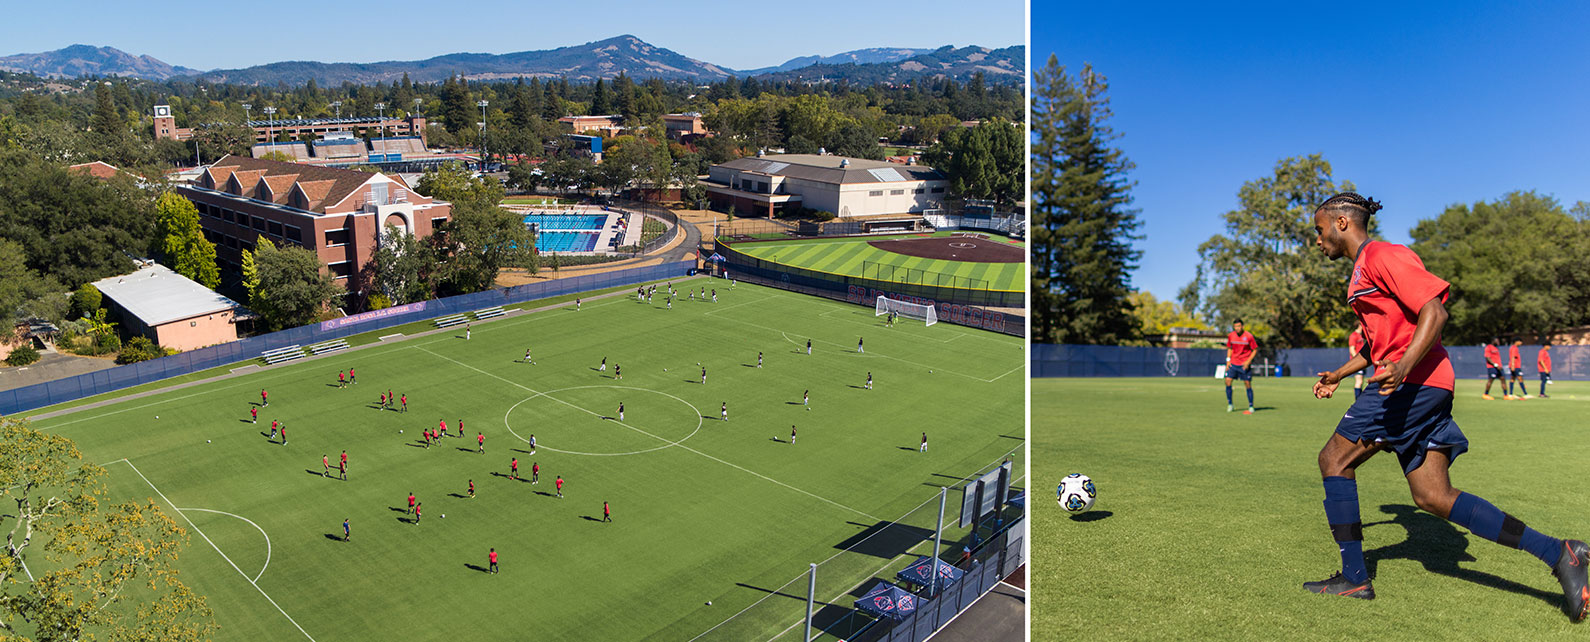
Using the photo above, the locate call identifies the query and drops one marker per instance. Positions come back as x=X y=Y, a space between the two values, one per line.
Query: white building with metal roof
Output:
x=170 y=309
x=847 y=187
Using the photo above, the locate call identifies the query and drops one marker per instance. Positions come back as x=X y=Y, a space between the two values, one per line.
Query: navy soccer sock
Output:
x=1228 y=395
x=1341 y=512
x=1250 y=397
x=1486 y=520
x=1542 y=386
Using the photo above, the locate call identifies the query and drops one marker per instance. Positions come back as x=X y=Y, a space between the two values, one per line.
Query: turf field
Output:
x=703 y=510
x=1207 y=523
x=846 y=256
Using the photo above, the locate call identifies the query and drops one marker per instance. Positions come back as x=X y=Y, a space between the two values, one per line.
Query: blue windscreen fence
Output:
x=87 y=385
x=1569 y=363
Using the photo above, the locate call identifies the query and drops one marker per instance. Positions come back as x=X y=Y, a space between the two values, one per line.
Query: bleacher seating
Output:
x=273 y=357
x=447 y=322
x=481 y=315
x=329 y=346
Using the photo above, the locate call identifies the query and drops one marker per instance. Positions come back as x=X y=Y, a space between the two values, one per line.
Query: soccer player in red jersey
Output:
x=1407 y=409
x=513 y=468
x=1493 y=368
x=535 y=473
x=264 y=397
x=325 y=461
x=344 y=465
x=411 y=502
x=342 y=379
x=405 y=400
x=1543 y=364
x=284 y=434
x=471 y=489
x=493 y=560
x=1240 y=349
x=443 y=432
x=1515 y=362
x=273 y=429
x=560 y=486
x=607 y=513
x=417 y=508
x=383 y=402
x=351 y=377
x=253 y=411
x=480 y=438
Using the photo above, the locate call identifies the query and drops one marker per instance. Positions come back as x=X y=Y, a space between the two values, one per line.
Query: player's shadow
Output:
x=696 y=381
x=407 y=520
x=1091 y=516
x=417 y=444
x=247 y=421
x=375 y=406
x=314 y=472
x=543 y=493
x=749 y=365
x=332 y=385
x=458 y=495
x=467 y=450
x=476 y=567
x=907 y=448
x=777 y=440
x=1438 y=546
x=588 y=518
x=334 y=537
x=398 y=509
x=527 y=452
x=793 y=403
x=266 y=435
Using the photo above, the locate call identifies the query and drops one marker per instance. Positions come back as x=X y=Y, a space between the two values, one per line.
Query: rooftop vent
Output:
x=844 y=162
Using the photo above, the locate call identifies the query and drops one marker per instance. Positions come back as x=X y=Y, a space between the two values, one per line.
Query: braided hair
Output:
x=1358 y=206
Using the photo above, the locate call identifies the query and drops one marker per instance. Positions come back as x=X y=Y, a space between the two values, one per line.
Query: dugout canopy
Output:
x=921 y=571
x=887 y=601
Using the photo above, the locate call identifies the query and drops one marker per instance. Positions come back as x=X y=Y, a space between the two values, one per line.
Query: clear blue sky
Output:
x=1420 y=104
x=212 y=35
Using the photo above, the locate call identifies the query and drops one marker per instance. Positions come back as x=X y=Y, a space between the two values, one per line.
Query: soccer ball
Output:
x=1076 y=493
x=207 y=441
x=444 y=515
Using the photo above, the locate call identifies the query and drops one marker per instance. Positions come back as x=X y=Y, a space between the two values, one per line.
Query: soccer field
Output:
x=1207 y=523
x=846 y=256
x=703 y=510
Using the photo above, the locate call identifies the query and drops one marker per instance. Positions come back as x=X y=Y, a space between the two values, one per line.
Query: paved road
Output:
x=999 y=616
x=51 y=366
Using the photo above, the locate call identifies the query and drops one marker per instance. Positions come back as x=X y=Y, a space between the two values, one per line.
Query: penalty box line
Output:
x=675 y=445
x=217 y=548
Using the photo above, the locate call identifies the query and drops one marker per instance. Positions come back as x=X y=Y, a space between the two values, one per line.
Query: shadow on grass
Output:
x=248 y=421
x=913 y=448
x=417 y=444
x=527 y=452
x=1439 y=546
x=458 y=495
x=543 y=493
x=316 y=473
x=777 y=440
x=334 y=537
x=476 y=567
x=398 y=509
x=265 y=435
x=408 y=520
x=1092 y=516
x=467 y=450
x=588 y=518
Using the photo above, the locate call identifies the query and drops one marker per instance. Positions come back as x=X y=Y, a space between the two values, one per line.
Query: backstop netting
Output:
x=907 y=310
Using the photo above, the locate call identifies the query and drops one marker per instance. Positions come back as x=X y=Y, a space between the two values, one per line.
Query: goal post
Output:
x=908 y=310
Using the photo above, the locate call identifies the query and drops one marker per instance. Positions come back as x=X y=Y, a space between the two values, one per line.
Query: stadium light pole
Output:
x=248 y=115
x=337 y=105
x=938 y=539
x=482 y=104
x=380 y=115
x=269 y=115
x=811 y=597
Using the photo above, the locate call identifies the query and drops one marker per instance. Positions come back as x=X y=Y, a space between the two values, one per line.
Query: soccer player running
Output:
x=1515 y=362
x=607 y=512
x=480 y=438
x=1543 y=364
x=254 y=412
x=1408 y=409
x=1493 y=368
x=559 y=483
x=1240 y=349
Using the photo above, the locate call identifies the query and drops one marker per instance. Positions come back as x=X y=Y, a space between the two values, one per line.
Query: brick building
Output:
x=300 y=128
x=607 y=126
x=336 y=213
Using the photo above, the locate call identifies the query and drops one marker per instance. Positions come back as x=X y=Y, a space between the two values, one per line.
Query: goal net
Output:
x=907 y=310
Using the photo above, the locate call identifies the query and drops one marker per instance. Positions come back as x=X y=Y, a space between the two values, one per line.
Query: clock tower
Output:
x=165 y=125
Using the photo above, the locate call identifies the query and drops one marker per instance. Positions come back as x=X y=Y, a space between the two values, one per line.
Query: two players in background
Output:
x=1407 y=409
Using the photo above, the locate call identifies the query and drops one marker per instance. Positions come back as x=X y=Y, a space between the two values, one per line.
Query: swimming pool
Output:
x=567 y=222
x=549 y=241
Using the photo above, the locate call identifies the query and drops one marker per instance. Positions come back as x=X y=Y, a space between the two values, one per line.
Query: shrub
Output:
x=23 y=355
x=139 y=349
x=107 y=343
x=378 y=302
x=86 y=300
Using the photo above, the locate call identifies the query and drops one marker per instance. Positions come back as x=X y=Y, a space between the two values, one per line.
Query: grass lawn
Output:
x=846 y=255
x=1207 y=523
x=703 y=510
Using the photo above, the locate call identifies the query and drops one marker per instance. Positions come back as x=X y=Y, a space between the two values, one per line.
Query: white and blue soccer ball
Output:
x=1076 y=493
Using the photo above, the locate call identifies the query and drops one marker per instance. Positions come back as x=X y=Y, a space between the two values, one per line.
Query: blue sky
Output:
x=1420 y=104
x=213 y=35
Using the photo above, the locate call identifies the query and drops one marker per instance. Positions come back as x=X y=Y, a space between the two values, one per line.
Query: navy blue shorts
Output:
x=1518 y=372
x=1494 y=373
x=1239 y=372
x=1411 y=421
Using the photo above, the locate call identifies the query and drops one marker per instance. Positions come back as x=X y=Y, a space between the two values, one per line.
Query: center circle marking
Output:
x=549 y=393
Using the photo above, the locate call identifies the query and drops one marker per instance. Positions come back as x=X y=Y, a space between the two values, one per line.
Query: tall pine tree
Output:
x=1082 y=223
x=600 y=104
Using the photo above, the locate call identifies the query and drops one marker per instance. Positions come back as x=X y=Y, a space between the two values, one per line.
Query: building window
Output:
x=896 y=192
x=340 y=269
x=294 y=234
x=337 y=237
x=876 y=192
x=231 y=242
x=276 y=229
x=226 y=215
x=259 y=224
x=436 y=223
x=918 y=191
x=938 y=190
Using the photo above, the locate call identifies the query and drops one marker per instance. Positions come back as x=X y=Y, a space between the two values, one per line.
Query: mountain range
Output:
x=601 y=59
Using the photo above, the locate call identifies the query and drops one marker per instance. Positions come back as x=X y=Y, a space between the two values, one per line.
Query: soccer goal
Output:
x=907 y=310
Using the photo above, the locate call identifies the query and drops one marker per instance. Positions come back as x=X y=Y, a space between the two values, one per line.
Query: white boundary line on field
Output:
x=675 y=445
x=217 y=548
x=250 y=523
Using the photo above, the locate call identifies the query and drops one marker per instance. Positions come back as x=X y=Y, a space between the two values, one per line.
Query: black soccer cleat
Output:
x=1570 y=570
x=1337 y=584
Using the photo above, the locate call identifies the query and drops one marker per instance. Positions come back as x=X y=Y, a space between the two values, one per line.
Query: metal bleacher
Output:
x=447 y=322
x=273 y=357
x=481 y=315
x=329 y=346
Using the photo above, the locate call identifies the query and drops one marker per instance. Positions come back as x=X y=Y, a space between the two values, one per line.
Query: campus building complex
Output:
x=339 y=214
x=300 y=128
x=170 y=309
x=847 y=187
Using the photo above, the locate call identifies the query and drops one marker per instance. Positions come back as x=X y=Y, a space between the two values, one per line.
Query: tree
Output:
x=601 y=104
x=1265 y=269
x=100 y=555
x=278 y=155
x=986 y=161
x=107 y=122
x=855 y=141
x=1516 y=265
x=86 y=300
x=523 y=175
x=454 y=184
x=457 y=110
x=476 y=244
x=400 y=268
x=1157 y=317
x=292 y=289
x=1082 y=224
x=250 y=268
x=182 y=240
x=73 y=227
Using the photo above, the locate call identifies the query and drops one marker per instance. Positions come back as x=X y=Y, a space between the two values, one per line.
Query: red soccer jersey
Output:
x=1493 y=355
x=1355 y=340
x=1388 y=287
x=1241 y=347
x=1543 y=361
x=411 y=500
x=560 y=483
x=344 y=458
x=1513 y=358
x=494 y=557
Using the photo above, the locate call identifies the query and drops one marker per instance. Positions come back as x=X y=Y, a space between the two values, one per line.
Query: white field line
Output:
x=250 y=523
x=217 y=548
x=680 y=446
x=204 y=390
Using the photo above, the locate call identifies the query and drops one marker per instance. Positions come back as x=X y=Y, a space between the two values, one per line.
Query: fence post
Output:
x=938 y=537
x=811 y=598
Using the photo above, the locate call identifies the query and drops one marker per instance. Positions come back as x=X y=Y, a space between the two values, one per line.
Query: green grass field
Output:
x=1207 y=523
x=846 y=256
x=702 y=509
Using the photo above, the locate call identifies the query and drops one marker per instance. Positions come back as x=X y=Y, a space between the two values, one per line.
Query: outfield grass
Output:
x=1207 y=523
x=846 y=256
x=703 y=510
